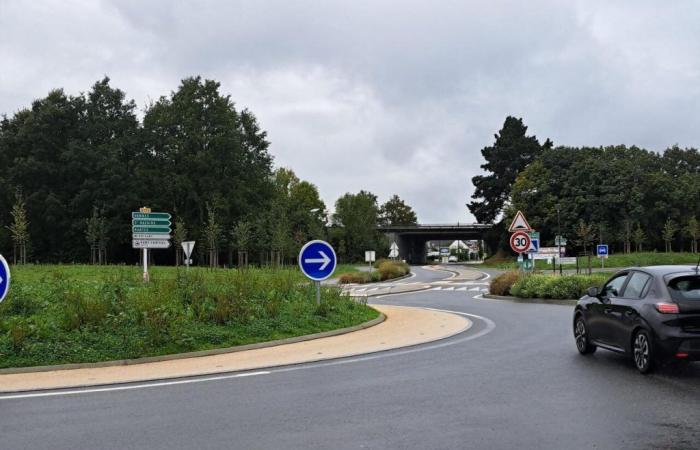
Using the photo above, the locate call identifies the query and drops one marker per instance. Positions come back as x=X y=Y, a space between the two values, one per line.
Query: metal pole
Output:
x=145 y=265
x=318 y=292
x=559 y=239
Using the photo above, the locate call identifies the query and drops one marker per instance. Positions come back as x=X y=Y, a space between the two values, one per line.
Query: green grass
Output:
x=72 y=314
x=613 y=261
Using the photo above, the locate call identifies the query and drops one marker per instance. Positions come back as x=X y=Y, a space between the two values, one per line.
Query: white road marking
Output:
x=136 y=386
x=473 y=289
x=490 y=326
x=462 y=289
x=449 y=289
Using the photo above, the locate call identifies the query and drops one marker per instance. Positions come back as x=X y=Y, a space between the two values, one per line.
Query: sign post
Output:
x=149 y=230
x=317 y=261
x=4 y=278
x=393 y=250
x=187 y=247
x=602 y=252
x=370 y=257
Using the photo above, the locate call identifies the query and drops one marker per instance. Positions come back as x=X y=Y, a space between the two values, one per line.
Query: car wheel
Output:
x=583 y=345
x=642 y=352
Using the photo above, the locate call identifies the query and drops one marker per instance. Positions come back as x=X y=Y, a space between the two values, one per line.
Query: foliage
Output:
x=70 y=153
x=19 y=228
x=555 y=287
x=179 y=236
x=668 y=232
x=386 y=270
x=355 y=218
x=512 y=152
x=396 y=212
x=70 y=314
x=631 y=190
x=692 y=230
x=501 y=284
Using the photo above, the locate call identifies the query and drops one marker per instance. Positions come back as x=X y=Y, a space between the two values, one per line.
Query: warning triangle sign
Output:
x=519 y=223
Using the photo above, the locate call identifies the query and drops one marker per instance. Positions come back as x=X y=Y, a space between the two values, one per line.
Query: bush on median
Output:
x=545 y=286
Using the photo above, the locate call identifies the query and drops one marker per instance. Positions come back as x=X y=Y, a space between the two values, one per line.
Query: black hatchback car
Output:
x=650 y=313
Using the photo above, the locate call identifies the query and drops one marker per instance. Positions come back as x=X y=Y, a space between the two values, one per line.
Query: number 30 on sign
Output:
x=520 y=242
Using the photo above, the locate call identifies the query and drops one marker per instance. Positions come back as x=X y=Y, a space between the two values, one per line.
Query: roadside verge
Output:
x=403 y=327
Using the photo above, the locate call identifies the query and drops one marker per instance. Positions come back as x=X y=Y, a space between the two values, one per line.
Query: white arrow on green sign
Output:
x=153 y=215
x=156 y=222
x=150 y=229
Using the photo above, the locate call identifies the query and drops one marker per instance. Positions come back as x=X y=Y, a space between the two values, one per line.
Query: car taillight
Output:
x=667 y=308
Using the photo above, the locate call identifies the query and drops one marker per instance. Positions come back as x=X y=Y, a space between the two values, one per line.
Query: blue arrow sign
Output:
x=4 y=278
x=317 y=260
x=602 y=250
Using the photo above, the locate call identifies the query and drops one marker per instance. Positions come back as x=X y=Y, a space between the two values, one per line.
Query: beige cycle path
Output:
x=404 y=326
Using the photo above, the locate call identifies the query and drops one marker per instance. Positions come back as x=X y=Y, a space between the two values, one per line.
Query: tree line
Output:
x=628 y=197
x=74 y=167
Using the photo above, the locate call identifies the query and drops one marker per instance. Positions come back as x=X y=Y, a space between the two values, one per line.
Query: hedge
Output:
x=545 y=286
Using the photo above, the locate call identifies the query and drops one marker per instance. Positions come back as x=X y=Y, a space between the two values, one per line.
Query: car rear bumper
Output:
x=682 y=348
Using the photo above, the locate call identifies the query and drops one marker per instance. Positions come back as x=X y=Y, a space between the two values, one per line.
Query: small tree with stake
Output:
x=241 y=237
x=179 y=236
x=586 y=236
x=667 y=234
x=693 y=232
x=639 y=237
x=19 y=229
x=212 y=234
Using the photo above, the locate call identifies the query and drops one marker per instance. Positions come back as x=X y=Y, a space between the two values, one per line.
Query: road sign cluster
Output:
x=150 y=229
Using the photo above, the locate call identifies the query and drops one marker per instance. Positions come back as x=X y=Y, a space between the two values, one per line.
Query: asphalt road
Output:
x=520 y=384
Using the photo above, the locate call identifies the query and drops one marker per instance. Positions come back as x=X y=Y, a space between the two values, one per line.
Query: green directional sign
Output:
x=156 y=222
x=150 y=229
x=153 y=215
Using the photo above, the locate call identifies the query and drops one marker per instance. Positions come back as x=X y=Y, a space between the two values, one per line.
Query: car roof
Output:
x=667 y=270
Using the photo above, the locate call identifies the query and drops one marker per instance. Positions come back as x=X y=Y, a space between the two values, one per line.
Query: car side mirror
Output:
x=593 y=292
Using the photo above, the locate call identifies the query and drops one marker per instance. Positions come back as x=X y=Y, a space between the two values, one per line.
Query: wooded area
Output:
x=73 y=169
x=631 y=198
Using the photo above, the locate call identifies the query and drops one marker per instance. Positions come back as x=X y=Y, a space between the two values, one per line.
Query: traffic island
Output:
x=403 y=327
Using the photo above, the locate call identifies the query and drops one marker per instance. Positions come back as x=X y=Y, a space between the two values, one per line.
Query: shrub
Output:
x=354 y=277
x=501 y=284
x=392 y=269
x=554 y=287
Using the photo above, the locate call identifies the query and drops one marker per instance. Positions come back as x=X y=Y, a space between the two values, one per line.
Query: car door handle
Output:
x=608 y=310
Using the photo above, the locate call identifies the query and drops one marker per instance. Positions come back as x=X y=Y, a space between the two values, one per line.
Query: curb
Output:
x=197 y=354
x=529 y=300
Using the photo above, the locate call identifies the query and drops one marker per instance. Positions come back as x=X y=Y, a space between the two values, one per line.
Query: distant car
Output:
x=649 y=313
x=452 y=259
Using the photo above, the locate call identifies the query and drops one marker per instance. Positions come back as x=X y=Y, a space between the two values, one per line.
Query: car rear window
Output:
x=685 y=288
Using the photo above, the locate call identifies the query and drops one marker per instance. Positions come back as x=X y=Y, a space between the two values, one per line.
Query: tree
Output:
x=179 y=236
x=241 y=237
x=667 y=234
x=19 y=229
x=356 y=217
x=92 y=233
x=511 y=153
x=212 y=235
x=692 y=230
x=586 y=236
x=639 y=237
x=396 y=212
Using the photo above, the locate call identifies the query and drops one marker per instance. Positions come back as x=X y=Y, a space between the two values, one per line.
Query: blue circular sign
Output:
x=317 y=260
x=4 y=278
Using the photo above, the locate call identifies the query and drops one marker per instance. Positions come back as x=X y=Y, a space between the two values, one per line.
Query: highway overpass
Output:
x=411 y=239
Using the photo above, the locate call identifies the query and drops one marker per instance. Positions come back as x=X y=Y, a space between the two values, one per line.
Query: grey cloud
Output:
x=394 y=97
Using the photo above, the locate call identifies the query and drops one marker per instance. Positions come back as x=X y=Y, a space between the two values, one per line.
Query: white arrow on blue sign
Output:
x=317 y=260
x=4 y=278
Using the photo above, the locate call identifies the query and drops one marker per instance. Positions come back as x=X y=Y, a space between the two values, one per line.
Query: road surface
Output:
x=514 y=380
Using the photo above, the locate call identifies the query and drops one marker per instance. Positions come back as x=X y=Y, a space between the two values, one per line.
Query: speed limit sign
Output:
x=520 y=242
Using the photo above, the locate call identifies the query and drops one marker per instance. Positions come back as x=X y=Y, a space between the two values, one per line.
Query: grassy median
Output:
x=72 y=314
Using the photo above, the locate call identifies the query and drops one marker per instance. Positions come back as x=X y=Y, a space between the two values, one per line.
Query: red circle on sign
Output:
x=520 y=242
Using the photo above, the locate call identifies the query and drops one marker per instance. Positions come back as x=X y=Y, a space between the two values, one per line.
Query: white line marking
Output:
x=136 y=386
x=490 y=326
x=462 y=289
x=449 y=289
x=473 y=289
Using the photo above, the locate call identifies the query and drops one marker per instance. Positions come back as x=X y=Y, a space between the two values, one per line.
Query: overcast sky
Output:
x=392 y=97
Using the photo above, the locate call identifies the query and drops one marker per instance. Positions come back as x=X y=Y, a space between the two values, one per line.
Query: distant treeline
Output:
x=79 y=165
x=631 y=198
